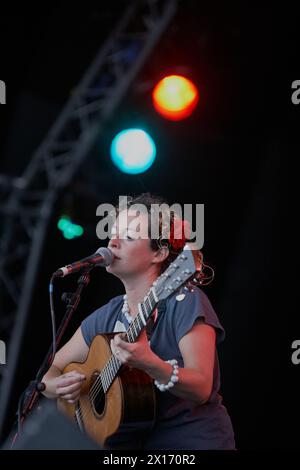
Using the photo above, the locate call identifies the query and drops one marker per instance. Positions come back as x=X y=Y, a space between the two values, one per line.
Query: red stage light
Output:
x=175 y=97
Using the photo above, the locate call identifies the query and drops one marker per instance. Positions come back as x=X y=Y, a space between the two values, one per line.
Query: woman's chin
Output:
x=112 y=268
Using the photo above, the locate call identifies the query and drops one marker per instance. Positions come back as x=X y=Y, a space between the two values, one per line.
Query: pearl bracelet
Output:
x=173 y=378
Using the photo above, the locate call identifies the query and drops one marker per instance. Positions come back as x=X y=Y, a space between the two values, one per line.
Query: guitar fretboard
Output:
x=113 y=365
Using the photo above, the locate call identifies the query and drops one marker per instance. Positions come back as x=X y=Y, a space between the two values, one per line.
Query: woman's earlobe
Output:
x=161 y=255
x=165 y=252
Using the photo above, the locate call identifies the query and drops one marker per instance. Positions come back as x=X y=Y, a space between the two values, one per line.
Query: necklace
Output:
x=126 y=309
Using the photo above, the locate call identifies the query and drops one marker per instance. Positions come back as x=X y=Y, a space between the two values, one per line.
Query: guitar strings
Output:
x=149 y=299
x=97 y=387
x=135 y=325
x=104 y=376
x=108 y=374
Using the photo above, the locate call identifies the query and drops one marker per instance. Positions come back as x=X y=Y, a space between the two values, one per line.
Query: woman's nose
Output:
x=114 y=242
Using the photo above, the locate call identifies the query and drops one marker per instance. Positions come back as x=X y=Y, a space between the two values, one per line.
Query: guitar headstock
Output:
x=185 y=267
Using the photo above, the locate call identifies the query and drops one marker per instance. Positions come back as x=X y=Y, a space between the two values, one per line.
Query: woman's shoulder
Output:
x=105 y=310
x=102 y=319
x=110 y=307
x=188 y=306
x=194 y=298
x=115 y=301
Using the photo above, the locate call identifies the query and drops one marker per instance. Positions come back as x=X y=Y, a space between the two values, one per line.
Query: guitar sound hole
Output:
x=99 y=402
x=98 y=399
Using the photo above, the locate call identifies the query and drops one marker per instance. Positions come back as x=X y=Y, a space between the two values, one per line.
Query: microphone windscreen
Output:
x=107 y=255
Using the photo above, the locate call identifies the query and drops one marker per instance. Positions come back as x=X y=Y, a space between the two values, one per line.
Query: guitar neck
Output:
x=145 y=309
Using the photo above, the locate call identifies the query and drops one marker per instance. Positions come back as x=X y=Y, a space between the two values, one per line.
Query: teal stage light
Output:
x=68 y=228
x=133 y=151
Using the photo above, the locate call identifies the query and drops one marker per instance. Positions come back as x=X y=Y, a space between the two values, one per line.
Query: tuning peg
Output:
x=169 y=288
x=186 y=271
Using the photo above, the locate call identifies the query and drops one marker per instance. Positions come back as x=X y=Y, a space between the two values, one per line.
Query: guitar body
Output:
x=130 y=398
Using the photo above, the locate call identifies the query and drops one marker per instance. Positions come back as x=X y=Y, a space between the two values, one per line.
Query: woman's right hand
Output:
x=67 y=386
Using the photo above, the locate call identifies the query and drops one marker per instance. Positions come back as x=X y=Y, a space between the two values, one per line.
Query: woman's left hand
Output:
x=138 y=354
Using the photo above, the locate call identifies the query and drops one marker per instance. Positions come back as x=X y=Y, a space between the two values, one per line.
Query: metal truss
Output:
x=27 y=201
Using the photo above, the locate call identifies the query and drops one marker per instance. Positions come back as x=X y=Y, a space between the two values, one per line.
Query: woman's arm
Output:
x=68 y=385
x=198 y=351
x=196 y=377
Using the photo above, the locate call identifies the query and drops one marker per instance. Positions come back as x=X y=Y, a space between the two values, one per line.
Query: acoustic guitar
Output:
x=112 y=393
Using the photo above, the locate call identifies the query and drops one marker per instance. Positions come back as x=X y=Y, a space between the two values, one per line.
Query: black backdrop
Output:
x=233 y=155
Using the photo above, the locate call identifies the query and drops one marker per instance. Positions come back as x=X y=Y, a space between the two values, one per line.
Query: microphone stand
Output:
x=31 y=394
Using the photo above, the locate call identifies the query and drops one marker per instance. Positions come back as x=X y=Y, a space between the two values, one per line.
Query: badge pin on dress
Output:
x=180 y=297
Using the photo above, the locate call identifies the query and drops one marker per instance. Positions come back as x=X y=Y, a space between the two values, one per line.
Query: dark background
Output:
x=233 y=154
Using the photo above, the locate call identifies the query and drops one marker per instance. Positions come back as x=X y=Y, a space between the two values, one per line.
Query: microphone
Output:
x=102 y=257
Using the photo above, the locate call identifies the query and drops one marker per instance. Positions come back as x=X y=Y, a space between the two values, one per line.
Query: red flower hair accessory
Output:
x=180 y=231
